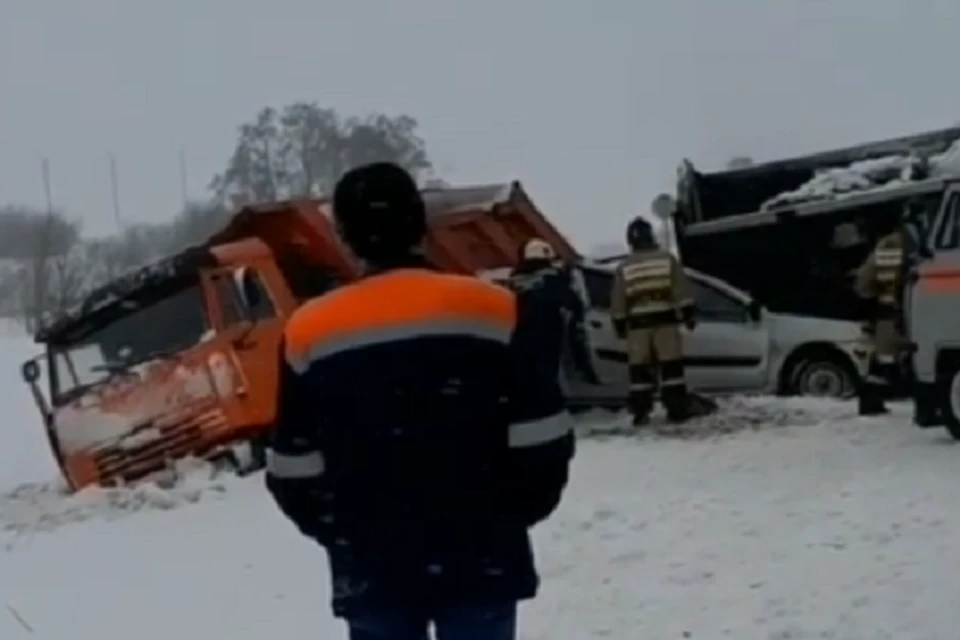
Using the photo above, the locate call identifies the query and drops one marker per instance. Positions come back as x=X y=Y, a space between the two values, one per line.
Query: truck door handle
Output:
x=596 y=324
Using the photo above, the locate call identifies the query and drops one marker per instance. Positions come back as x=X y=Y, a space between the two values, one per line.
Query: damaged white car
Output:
x=736 y=346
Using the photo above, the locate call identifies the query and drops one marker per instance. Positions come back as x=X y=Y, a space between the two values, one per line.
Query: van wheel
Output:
x=821 y=375
x=950 y=398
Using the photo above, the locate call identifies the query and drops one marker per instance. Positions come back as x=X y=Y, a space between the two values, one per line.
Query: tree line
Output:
x=47 y=263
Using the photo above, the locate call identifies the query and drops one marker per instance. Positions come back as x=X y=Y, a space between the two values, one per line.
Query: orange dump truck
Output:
x=178 y=358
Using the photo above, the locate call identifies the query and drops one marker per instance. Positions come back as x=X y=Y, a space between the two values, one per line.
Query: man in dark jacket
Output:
x=413 y=440
x=558 y=326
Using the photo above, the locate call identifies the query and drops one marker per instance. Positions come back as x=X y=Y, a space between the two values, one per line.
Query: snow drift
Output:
x=775 y=520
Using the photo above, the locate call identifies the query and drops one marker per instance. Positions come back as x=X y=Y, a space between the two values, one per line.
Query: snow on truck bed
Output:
x=798 y=521
x=888 y=172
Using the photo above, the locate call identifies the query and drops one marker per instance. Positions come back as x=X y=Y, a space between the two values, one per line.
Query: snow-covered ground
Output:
x=809 y=523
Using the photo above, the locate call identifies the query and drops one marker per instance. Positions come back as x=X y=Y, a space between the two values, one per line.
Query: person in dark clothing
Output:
x=414 y=440
x=558 y=329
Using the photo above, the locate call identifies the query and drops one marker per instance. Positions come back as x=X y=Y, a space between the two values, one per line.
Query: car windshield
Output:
x=155 y=328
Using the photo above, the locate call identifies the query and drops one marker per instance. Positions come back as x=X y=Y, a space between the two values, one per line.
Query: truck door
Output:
x=932 y=295
x=728 y=349
x=250 y=325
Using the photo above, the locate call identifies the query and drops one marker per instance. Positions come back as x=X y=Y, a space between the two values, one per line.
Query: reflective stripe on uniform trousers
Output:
x=537 y=432
x=295 y=466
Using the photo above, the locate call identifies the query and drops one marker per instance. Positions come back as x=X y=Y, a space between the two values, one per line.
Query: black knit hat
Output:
x=379 y=211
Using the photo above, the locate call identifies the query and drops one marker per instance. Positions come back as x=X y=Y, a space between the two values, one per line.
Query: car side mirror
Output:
x=755 y=310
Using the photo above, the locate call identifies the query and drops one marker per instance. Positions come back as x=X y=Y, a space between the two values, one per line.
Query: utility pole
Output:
x=115 y=191
x=47 y=189
x=183 y=176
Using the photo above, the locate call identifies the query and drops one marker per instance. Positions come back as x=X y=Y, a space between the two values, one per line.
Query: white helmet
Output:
x=538 y=249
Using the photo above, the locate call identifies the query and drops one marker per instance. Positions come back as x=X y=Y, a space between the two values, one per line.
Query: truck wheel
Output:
x=823 y=375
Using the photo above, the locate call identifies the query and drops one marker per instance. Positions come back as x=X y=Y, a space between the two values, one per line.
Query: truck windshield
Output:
x=151 y=329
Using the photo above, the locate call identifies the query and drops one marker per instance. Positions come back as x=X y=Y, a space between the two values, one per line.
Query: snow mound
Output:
x=735 y=414
x=889 y=172
x=34 y=508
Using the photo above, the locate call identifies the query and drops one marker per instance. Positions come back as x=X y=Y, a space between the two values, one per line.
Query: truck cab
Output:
x=791 y=232
x=932 y=303
x=157 y=365
x=179 y=358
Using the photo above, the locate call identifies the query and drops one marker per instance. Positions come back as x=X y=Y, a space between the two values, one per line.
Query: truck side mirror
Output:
x=755 y=310
x=30 y=371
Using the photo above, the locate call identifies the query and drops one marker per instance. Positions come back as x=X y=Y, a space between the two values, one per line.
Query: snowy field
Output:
x=810 y=523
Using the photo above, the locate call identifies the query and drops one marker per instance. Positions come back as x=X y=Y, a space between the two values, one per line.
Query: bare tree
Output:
x=49 y=284
x=303 y=149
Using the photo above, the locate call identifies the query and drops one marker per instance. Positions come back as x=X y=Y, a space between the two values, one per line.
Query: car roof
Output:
x=608 y=264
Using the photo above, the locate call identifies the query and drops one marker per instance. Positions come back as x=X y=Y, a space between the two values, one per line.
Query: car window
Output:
x=715 y=306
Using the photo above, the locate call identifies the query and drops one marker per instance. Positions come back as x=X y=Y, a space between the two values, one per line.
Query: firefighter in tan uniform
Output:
x=650 y=300
x=879 y=280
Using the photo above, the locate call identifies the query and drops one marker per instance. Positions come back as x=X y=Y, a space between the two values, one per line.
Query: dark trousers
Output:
x=875 y=386
x=673 y=389
x=495 y=621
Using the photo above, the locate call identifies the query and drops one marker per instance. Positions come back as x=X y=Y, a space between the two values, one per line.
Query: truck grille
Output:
x=181 y=434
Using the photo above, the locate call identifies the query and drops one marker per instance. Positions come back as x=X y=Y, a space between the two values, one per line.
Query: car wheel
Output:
x=823 y=377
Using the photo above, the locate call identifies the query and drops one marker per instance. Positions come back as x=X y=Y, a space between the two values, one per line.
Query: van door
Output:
x=250 y=325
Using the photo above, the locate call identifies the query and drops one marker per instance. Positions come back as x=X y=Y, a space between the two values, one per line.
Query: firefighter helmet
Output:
x=640 y=234
x=538 y=249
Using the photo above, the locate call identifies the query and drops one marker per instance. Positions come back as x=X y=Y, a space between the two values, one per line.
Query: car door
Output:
x=728 y=349
x=608 y=351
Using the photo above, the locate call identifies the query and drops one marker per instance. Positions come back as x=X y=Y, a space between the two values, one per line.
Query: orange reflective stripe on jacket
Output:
x=398 y=305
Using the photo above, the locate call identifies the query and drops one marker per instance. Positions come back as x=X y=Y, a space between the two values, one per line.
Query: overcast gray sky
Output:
x=590 y=104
